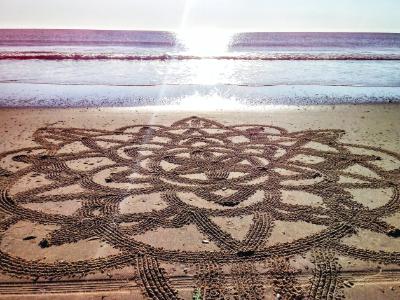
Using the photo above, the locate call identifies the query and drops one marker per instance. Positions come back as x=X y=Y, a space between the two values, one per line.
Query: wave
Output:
x=87 y=43
x=32 y=55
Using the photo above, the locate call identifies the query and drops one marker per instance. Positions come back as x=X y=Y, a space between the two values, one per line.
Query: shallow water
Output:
x=203 y=71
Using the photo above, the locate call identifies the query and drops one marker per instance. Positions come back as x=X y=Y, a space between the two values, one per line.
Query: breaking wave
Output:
x=48 y=55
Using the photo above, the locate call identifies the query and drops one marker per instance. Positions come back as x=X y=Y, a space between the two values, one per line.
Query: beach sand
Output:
x=95 y=207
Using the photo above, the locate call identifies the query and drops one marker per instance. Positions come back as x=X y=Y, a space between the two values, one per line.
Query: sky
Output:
x=233 y=15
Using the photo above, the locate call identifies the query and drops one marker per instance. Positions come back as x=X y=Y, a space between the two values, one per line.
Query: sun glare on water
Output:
x=205 y=42
x=208 y=45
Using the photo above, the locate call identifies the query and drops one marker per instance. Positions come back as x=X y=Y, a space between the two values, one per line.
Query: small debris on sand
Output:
x=394 y=233
x=44 y=243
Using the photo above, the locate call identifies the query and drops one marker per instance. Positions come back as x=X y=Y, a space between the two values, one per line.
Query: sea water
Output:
x=132 y=68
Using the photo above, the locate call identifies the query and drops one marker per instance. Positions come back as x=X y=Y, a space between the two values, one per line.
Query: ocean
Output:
x=204 y=69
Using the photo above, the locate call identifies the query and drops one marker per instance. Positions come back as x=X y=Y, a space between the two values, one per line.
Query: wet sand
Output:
x=94 y=207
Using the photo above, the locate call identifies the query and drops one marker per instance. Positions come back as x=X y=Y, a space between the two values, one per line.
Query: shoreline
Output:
x=194 y=95
x=184 y=109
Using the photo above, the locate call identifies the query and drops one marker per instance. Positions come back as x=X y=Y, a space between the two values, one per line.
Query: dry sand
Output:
x=285 y=213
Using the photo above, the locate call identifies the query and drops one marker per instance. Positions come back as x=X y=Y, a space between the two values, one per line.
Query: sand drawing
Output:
x=137 y=186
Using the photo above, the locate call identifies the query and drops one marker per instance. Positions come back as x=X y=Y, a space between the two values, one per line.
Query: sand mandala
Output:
x=174 y=194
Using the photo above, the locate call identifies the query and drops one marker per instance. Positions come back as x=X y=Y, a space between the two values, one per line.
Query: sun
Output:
x=205 y=42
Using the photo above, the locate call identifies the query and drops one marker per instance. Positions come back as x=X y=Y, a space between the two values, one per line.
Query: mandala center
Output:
x=211 y=166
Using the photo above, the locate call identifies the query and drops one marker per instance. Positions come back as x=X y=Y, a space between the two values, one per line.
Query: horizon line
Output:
x=196 y=29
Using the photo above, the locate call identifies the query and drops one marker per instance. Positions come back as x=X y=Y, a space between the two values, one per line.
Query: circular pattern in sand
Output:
x=193 y=191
